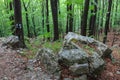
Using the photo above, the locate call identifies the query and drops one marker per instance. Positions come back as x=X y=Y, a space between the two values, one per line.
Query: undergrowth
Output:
x=34 y=44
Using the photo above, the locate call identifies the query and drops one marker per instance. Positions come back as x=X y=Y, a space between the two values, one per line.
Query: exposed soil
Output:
x=112 y=69
x=14 y=67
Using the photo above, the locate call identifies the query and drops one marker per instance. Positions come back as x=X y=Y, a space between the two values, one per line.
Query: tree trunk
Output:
x=42 y=11
x=107 y=21
x=92 y=24
x=47 y=18
x=18 y=23
x=12 y=18
x=69 y=24
x=34 y=27
x=54 y=9
x=71 y=18
x=84 y=18
x=27 y=20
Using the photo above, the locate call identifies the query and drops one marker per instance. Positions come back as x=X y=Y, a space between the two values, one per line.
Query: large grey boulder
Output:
x=48 y=59
x=79 y=69
x=102 y=49
x=11 y=42
x=71 y=56
x=80 y=60
x=97 y=64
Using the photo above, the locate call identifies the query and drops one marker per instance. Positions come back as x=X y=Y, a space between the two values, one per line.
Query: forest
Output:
x=59 y=40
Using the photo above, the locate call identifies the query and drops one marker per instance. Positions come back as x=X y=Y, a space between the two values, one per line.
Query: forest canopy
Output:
x=55 y=18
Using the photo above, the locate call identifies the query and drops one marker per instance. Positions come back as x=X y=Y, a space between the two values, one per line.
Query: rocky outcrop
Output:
x=11 y=42
x=80 y=56
x=101 y=48
x=48 y=59
x=83 y=55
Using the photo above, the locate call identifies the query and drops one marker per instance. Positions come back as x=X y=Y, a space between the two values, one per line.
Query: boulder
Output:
x=11 y=42
x=69 y=57
x=79 y=69
x=82 y=55
x=97 y=64
x=83 y=77
x=48 y=59
x=102 y=49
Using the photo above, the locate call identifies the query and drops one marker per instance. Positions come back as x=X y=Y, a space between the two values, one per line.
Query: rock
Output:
x=83 y=77
x=70 y=36
x=97 y=63
x=116 y=46
x=69 y=57
x=5 y=78
x=118 y=72
x=48 y=59
x=30 y=64
x=82 y=60
x=67 y=79
x=11 y=42
x=78 y=69
x=102 y=49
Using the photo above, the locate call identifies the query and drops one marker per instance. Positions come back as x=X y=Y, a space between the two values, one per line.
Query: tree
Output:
x=84 y=18
x=54 y=8
x=69 y=24
x=18 y=23
x=27 y=17
x=47 y=18
x=92 y=23
x=12 y=17
x=34 y=26
x=43 y=14
x=107 y=21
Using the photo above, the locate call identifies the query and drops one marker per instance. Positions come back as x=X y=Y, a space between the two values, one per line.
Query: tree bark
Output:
x=27 y=20
x=69 y=23
x=47 y=18
x=34 y=26
x=54 y=8
x=107 y=21
x=84 y=18
x=92 y=24
x=12 y=18
x=18 y=23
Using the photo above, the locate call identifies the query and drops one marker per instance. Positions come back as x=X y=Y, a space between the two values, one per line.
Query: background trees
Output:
x=51 y=19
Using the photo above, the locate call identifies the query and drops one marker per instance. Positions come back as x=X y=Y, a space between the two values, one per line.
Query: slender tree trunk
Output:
x=69 y=23
x=18 y=23
x=54 y=9
x=107 y=21
x=27 y=20
x=84 y=18
x=92 y=25
x=34 y=27
x=12 y=18
x=71 y=18
x=47 y=18
x=42 y=11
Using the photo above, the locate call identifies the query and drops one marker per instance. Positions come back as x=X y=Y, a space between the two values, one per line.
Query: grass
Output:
x=55 y=46
x=34 y=45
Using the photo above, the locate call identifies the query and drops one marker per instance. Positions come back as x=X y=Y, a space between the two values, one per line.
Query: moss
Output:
x=88 y=49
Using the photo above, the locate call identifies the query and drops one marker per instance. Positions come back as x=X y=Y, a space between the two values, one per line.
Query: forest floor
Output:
x=13 y=66
x=112 y=69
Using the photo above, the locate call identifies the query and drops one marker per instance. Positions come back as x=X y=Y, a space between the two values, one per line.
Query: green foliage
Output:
x=78 y=2
x=55 y=46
